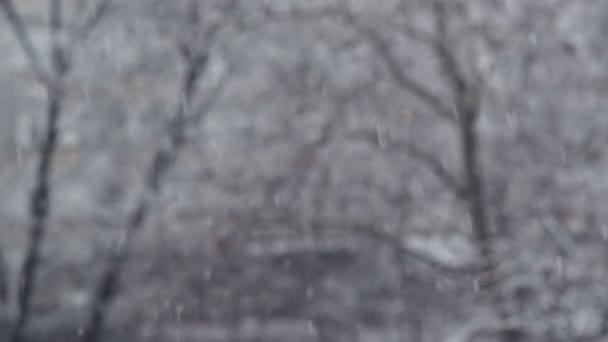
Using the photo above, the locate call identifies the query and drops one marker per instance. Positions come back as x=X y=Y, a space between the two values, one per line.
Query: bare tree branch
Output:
x=467 y=101
x=564 y=242
x=410 y=31
x=413 y=151
x=40 y=200
x=164 y=158
x=25 y=41
x=383 y=50
x=59 y=58
x=331 y=232
x=307 y=154
x=467 y=106
x=437 y=168
x=40 y=197
x=82 y=31
x=462 y=87
x=92 y=19
x=394 y=242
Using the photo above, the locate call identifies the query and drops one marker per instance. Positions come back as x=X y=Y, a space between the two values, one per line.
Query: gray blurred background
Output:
x=326 y=190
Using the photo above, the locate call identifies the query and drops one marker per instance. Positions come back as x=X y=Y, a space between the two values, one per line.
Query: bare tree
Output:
x=461 y=110
x=403 y=153
x=59 y=57
x=195 y=60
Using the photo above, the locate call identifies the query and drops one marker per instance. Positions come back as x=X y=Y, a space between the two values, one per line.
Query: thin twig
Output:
x=25 y=41
x=415 y=152
x=438 y=169
x=410 y=31
x=81 y=32
x=93 y=19
x=452 y=69
x=383 y=50
x=304 y=158
x=565 y=243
